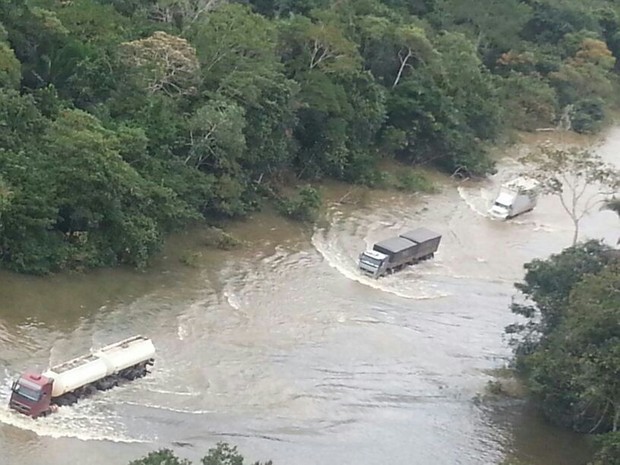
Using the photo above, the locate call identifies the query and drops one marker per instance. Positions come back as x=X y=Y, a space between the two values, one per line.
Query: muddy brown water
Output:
x=284 y=349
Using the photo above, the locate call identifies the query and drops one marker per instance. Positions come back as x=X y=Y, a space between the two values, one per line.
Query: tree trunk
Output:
x=479 y=40
x=576 y=231
x=403 y=63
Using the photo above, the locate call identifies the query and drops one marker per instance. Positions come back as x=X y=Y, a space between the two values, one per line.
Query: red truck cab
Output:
x=31 y=394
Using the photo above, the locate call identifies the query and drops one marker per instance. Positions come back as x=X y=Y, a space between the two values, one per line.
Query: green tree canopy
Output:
x=203 y=107
x=568 y=349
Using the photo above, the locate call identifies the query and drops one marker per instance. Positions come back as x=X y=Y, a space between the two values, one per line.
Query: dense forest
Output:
x=122 y=120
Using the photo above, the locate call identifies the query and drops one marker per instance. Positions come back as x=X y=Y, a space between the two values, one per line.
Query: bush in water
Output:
x=304 y=206
x=222 y=454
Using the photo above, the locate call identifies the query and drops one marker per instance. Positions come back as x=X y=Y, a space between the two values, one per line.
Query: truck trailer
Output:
x=397 y=252
x=38 y=394
x=515 y=197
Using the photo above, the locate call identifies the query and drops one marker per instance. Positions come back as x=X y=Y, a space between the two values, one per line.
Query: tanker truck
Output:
x=38 y=394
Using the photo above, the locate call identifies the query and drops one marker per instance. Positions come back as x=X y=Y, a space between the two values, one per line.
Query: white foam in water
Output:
x=166 y=408
x=232 y=300
x=175 y=393
x=544 y=228
x=182 y=332
x=68 y=423
x=184 y=321
x=84 y=421
x=468 y=199
x=341 y=262
x=535 y=226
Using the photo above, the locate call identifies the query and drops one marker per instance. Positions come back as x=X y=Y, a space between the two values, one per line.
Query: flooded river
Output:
x=284 y=349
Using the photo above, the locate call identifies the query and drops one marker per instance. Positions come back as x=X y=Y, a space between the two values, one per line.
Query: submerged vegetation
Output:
x=123 y=120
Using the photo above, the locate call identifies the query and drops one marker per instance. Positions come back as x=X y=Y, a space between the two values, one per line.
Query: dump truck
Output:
x=515 y=197
x=397 y=252
x=38 y=394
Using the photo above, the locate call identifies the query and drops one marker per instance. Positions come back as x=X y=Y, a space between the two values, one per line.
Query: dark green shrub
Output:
x=304 y=206
x=587 y=115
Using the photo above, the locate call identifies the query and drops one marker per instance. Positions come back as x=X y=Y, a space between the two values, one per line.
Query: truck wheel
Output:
x=89 y=390
x=69 y=399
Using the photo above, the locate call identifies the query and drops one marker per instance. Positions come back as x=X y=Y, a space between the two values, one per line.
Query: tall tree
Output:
x=492 y=23
x=10 y=67
x=236 y=49
x=165 y=63
x=568 y=349
x=586 y=74
x=546 y=287
x=578 y=178
x=318 y=44
x=575 y=376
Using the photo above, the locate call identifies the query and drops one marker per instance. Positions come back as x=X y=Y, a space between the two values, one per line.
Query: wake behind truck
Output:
x=397 y=252
x=38 y=394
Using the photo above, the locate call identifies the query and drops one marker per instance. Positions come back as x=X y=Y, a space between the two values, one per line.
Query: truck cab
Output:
x=31 y=394
x=373 y=263
x=502 y=207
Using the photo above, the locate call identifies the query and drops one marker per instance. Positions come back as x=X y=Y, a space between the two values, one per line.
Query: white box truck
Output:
x=515 y=197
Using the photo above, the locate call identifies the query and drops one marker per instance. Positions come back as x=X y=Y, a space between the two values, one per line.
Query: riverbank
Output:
x=423 y=180
x=194 y=244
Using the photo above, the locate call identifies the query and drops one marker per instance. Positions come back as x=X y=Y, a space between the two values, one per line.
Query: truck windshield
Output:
x=501 y=205
x=370 y=261
x=27 y=392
